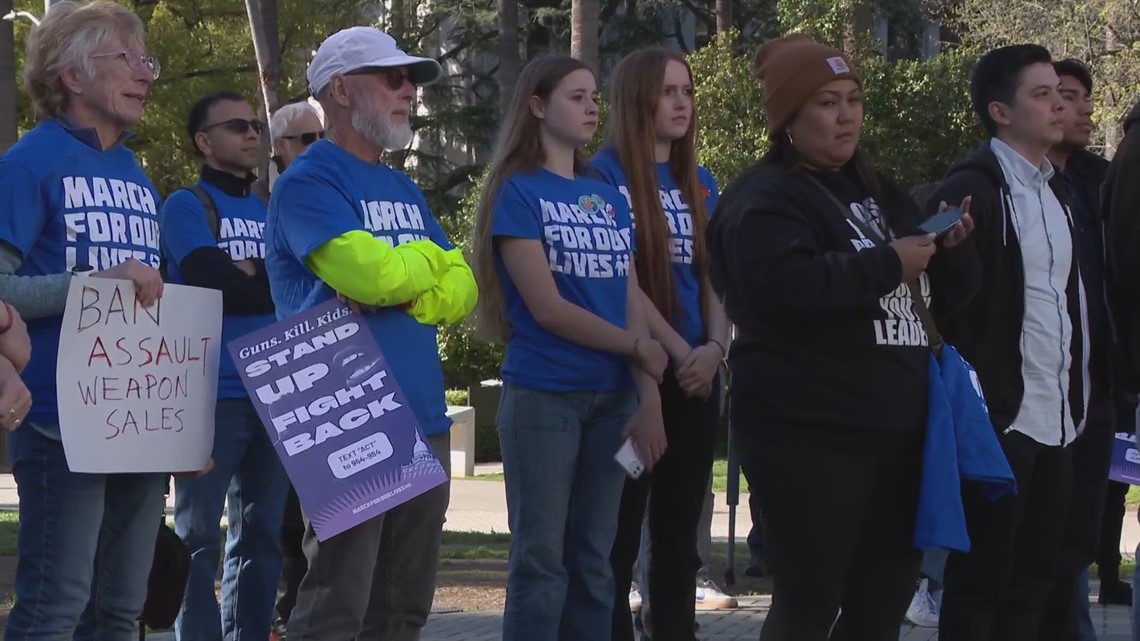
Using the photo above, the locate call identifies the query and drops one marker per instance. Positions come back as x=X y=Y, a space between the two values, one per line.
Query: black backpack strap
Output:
x=212 y=218
x=934 y=337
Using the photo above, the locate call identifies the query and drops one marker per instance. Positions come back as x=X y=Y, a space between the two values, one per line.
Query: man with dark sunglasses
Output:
x=294 y=127
x=342 y=222
x=213 y=237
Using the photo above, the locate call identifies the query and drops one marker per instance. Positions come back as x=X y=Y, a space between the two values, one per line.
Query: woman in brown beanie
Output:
x=816 y=255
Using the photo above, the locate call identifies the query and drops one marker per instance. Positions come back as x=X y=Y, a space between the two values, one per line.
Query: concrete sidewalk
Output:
x=741 y=624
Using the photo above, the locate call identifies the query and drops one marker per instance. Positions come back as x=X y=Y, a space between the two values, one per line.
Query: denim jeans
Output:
x=86 y=543
x=563 y=492
x=248 y=472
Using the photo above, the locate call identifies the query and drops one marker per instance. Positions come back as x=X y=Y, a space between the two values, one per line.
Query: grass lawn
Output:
x=720 y=478
x=9 y=519
x=1133 y=498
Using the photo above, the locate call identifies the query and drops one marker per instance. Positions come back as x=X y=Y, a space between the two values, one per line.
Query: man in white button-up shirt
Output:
x=1026 y=334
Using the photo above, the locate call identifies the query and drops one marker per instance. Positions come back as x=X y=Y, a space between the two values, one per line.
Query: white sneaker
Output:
x=709 y=597
x=634 y=598
x=923 y=610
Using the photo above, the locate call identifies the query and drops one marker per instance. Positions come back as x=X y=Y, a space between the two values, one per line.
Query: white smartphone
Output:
x=629 y=460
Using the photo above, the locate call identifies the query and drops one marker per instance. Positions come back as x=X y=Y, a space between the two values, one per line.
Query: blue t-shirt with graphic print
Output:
x=326 y=193
x=584 y=227
x=68 y=204
x=688 y=323
x=241 y=227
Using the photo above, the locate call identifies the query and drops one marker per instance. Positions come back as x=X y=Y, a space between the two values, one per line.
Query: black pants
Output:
x=675 y=493
x=1108 y=559
x=1091 y=455
x=295 y=565
x=998 y=591
x=839 y=515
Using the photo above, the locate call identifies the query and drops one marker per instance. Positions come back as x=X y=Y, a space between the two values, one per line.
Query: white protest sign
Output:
x=138 y=387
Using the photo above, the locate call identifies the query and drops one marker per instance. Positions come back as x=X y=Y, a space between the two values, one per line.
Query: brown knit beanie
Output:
x=792 y=69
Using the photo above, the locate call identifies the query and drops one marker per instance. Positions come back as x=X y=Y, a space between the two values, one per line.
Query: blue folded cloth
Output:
x=961 y=445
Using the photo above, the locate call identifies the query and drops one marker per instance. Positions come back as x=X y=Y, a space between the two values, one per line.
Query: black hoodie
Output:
x=1121 y=208
x=826 y=337
x=988 y=331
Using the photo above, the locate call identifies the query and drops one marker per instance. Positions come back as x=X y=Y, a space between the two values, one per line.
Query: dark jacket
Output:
x=987 y=332
x=1121 y=208
x=826 y=336
x=1081 y=181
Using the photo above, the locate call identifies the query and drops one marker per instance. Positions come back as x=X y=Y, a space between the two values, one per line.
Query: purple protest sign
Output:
x=339 y=421
x=1125 y=466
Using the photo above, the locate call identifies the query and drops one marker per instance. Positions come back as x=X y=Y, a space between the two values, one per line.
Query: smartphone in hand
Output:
x=943 y=222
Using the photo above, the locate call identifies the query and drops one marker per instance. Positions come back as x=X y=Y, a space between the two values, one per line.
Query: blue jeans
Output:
x=248 y=472
x=86 y=544
x=563 y=492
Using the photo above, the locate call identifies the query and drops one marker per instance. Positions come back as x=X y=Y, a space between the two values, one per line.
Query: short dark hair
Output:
x=1075 y=69
x=201 y=110
x=997 y=75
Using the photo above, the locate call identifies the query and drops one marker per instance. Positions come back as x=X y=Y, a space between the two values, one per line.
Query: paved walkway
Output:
x=742 y=624
x=480 y=506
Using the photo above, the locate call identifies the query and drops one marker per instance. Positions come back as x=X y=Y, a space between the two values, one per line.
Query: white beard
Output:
x=377 y=127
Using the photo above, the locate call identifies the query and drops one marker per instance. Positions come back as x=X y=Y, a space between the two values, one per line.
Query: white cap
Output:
x=360 y=47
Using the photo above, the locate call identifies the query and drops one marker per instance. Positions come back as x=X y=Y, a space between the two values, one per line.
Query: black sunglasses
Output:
x=307 y=138
x=395 y=76
x=238 y=126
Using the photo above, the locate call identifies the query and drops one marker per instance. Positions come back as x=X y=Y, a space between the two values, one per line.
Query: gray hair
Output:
x=289 y=114
x=65 y=39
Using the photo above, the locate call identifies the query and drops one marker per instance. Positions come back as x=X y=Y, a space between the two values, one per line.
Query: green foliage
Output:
x=917 y=115
x=465 y=358
x=456 y=396
x=732 y=132
x=205 y=46
x=825 y=20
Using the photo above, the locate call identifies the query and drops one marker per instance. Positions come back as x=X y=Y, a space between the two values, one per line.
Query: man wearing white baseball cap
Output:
x=341 y=222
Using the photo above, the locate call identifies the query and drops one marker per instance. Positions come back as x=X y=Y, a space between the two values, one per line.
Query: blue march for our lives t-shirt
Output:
x=328 y=192
x=680 y=219
x=584 y=227
x=67 y=204
x=241 y=234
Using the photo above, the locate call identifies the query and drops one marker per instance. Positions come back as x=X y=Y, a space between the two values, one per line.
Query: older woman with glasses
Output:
x=86 y=541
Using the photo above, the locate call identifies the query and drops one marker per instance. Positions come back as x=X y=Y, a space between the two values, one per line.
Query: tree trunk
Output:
x=8 y=89
x=723 y=16
x=510 y=62
x=584 y=31
x=267 y=47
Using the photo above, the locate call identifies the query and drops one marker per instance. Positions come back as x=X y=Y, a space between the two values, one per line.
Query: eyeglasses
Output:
x=307 y=138
x=395 y=76
x=135 y=61
x=239 y=126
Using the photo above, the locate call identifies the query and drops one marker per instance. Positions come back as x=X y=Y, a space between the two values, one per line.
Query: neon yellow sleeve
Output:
x=452 y=298
x=372 y=272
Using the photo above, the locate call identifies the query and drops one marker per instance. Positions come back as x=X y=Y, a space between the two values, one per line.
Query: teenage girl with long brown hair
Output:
x=554 y=264
x=650 y=156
